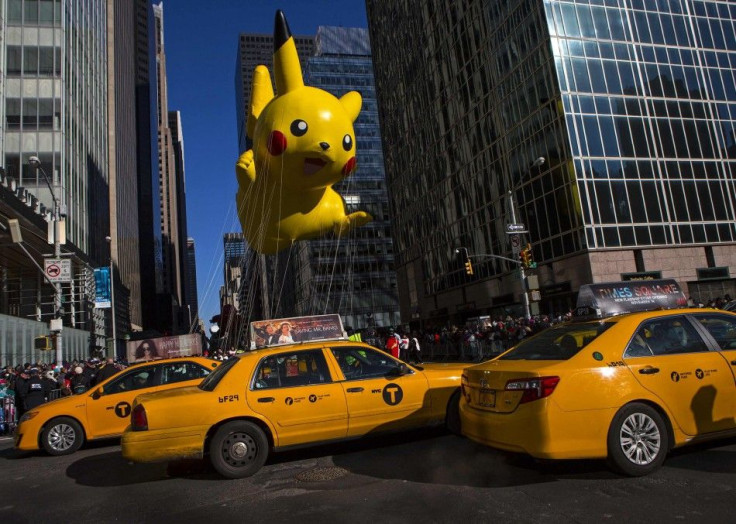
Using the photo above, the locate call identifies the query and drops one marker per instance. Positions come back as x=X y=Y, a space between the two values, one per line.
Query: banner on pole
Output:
x=102 y=288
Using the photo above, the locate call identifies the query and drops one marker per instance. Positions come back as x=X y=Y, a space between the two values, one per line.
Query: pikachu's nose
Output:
x=324 y=145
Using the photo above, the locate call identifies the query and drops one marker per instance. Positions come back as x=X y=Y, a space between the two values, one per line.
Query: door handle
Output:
x=110 y=407
x=266 y=399
x=649 y=371
x=355 y=390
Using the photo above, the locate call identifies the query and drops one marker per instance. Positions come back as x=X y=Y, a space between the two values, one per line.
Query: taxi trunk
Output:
x=501 y=386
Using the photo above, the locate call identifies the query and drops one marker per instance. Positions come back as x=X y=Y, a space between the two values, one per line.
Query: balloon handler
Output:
x=303 y=143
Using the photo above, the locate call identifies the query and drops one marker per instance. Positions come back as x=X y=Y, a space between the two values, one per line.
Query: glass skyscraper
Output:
x=630 y=102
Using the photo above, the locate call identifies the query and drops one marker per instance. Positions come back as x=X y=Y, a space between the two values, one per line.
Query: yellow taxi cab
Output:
x=290 y=395
x=61 y=426
x=627 y=388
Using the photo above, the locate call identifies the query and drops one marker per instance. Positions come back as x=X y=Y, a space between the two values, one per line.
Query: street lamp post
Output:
x=112 y=303
x=522 y=275
x=36 y=162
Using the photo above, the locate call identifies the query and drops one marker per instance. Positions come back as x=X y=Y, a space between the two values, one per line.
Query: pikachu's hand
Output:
x=353 y=220
x=245 y=168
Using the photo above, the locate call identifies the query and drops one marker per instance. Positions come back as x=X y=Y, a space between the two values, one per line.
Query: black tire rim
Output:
x=640 y=439
x=239 y=450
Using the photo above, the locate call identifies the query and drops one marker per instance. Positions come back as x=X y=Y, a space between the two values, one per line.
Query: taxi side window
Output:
x=290 y=369
x=721 y=327
x=182 y=371
x=358 y=363
x=144 y=377
x=665 y=336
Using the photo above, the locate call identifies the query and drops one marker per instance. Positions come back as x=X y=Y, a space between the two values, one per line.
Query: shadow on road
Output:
x=703 y=457
x=111 y=469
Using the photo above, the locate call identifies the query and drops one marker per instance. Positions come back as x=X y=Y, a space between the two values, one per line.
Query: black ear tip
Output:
x=281 y=31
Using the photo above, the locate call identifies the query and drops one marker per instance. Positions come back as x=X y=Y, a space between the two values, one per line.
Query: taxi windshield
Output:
x=210 y=382
x=557 y=343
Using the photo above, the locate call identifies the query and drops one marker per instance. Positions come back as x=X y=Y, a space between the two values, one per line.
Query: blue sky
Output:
x=201 y=40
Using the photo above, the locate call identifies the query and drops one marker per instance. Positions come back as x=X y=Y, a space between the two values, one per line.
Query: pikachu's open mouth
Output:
x=312 y=165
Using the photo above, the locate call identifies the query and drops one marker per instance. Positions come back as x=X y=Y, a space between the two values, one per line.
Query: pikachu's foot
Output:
x=353 y=220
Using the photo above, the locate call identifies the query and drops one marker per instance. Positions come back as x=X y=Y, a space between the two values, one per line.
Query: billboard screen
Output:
x=164 y=347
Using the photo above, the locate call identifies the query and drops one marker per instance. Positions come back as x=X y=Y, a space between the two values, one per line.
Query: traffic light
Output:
x=463 y=252
x=42 y=343
x=469 y=267
x=527 y=257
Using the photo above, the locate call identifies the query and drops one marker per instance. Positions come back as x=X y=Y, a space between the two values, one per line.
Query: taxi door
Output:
x=379 y=398
x=295 y=391
x=722 y=328
x=669 y=358
x=108 y=413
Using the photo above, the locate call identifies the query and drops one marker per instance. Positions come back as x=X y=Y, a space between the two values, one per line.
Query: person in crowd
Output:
x=415 y=350
x=106 y=371
x=392 y=344
x=404 y=347
x=79 y=382
x=49 y=380
x=36 y=391
x=21 y=377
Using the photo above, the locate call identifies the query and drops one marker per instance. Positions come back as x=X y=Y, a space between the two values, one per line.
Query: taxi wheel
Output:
x=452 y=419
x=637 y=440
x=62 y=436
x=238 y=449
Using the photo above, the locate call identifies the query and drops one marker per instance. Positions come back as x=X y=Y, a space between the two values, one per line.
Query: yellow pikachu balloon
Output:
x=303 y=143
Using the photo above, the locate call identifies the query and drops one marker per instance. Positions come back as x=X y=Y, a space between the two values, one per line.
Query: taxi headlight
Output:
x=27 y=416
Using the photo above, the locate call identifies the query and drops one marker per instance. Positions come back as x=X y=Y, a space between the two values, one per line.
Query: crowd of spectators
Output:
x=25 y=386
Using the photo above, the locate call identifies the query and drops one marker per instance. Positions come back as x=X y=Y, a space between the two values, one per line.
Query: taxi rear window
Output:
x=557 y=343
x=210 y=382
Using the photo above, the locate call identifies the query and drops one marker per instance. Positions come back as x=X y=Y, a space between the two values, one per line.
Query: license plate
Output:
x=487 y=398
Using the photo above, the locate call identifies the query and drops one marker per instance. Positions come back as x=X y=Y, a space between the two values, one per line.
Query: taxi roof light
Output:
x=138 y=419
x=533 y=388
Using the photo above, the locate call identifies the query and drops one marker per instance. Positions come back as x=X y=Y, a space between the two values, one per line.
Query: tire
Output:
x=452 y=419
x=638 y=441
x=62 y=436
x=238 y=449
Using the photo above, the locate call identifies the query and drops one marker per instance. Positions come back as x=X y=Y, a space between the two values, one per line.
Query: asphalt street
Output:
x=427 y=476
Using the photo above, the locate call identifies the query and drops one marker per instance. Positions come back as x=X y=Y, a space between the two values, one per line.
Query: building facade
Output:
x=192 y=297
x=630 y=104
x=353 y=275
x=54 y=106
x=170 y=300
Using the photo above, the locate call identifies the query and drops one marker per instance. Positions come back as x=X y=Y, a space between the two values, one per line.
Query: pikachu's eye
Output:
x=347 y=142
x=299 y=127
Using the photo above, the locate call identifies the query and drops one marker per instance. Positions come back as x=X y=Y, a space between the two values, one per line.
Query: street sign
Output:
x=58 y=269
x=515 y=228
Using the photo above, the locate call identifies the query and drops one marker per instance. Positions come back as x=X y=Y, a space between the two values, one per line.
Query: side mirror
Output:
x=401 y=370
x=97 y=394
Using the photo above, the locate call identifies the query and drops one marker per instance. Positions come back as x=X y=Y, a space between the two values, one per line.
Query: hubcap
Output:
x=640 y=439
x=61 y=437
x=239 y=449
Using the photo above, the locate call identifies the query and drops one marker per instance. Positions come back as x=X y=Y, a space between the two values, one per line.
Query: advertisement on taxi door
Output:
x=164 y=347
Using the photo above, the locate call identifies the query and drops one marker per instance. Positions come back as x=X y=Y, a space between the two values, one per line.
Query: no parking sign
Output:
x=57 y=269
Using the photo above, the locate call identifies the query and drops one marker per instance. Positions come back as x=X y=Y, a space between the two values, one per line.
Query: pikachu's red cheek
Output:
x=276 y=143
x=349 y=166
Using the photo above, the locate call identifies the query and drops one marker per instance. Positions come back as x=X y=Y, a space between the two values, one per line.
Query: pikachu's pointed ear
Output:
x=352 y=102
x=286 y=67
x=261 y=94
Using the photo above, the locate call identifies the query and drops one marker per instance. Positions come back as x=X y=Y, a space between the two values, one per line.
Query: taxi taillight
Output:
x=138 y=419
x=533 y=388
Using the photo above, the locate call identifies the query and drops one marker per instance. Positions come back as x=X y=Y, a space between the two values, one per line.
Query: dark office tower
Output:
x=192 y=298
x=171 y=300
x=354 y=275
x=149 y=200
x=177 y=143
x=631 y=105
x=124 y=245
x=253 y=50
